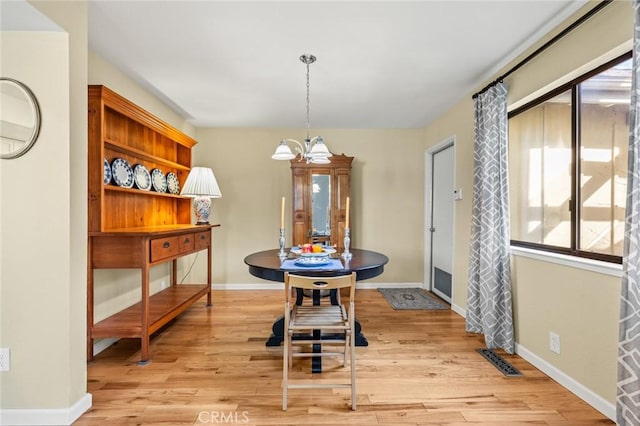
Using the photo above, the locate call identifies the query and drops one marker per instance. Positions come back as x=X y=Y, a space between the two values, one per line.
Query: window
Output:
x=568 y=165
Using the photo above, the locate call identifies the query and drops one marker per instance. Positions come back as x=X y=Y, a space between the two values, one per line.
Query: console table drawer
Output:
x=163 y=248
x=203 y=239
x=187 y=243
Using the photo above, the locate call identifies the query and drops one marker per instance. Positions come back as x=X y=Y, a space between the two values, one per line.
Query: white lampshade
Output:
x=283 y=152
x=201 y=183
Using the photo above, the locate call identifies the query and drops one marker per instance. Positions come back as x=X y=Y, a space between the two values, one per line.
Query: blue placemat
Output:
x=290 y=264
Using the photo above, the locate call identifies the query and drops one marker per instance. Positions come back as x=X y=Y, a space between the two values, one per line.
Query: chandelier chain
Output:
x=308 y=101
x=312 y=150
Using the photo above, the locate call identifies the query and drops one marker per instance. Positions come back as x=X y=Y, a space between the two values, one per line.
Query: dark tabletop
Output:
x=365 y=263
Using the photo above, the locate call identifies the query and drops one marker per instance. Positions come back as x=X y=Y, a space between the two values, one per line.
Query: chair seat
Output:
x=325 y=317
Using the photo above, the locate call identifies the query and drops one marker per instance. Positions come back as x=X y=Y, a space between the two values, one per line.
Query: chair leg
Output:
x=290 y=351
x=285 y=370
x=346 y=349
x=352 y=361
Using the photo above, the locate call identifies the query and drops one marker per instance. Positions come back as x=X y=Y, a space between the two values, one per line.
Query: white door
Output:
x=441 y=223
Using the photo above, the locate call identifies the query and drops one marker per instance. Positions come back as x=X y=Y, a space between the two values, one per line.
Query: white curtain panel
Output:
x=489 y=309
x=628 y=395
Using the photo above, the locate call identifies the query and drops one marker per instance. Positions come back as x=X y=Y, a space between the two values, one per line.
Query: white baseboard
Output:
x=46 y=416
x=100 y=345
x=458 y=310
x=587 y=395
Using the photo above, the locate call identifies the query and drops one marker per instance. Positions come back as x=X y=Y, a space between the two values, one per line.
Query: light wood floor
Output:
x=211 y=366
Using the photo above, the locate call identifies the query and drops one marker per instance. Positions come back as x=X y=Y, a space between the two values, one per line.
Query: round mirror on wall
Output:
x=19 y=118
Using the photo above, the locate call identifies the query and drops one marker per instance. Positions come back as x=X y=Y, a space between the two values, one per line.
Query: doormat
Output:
x=500 y=363
x=411 y=298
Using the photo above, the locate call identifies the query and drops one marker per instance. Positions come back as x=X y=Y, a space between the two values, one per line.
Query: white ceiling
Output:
x=381 y=64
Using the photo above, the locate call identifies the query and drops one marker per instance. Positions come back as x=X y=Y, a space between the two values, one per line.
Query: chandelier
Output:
x=313 y=150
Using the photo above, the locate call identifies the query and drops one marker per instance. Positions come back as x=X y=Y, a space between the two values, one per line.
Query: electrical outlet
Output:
x=5 y=359
x=554 y=342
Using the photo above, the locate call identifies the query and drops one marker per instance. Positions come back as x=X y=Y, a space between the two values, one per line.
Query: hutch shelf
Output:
x=134 y=229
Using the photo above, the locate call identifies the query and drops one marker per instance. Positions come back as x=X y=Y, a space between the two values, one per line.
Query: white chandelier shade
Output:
x=313 y=150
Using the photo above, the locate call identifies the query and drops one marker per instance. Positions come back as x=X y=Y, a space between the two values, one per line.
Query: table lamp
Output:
x=201 y=185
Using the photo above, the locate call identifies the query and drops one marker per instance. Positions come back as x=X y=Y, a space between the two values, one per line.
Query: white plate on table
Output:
x=313 y=261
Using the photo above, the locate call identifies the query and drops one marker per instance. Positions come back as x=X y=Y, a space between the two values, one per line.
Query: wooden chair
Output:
x=333 y=318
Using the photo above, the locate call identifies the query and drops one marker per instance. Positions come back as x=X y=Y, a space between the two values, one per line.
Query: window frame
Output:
x=574 y=203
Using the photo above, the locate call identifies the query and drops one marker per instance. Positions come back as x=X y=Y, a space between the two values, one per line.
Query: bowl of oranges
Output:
x=312 y=250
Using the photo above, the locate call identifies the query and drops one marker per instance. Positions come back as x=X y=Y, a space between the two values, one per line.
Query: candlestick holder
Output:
x=282 y=253
x=347 y=241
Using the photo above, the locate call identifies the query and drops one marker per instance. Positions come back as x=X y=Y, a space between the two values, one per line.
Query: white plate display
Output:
x=107 y=172
x=122 y=173
x=141 y=177
x=173 y=186
x=158 y=180
x=313 y=261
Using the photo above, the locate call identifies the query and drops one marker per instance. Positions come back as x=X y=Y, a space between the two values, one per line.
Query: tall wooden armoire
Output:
x=320 y=194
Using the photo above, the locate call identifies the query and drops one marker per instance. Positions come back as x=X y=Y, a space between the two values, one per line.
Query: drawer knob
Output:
x=187 y=241
x=166 y=244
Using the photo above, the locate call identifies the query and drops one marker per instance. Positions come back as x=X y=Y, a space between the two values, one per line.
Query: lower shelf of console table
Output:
x=164 y=306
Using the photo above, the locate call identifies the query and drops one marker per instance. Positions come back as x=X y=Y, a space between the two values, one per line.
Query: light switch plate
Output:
x=5 y=359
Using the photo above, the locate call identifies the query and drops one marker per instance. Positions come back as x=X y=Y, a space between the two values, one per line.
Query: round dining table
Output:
x=269 y=265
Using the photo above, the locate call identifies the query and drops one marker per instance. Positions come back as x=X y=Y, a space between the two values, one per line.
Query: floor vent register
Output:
x=500 y=363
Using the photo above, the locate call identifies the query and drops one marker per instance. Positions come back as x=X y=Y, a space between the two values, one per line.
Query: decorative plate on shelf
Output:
x=158 y=180
x=142 y=177
x=173 y=186
x=107 y=172
x=122 y=173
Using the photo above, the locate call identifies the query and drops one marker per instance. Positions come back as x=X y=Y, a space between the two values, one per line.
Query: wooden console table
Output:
x=141 y=249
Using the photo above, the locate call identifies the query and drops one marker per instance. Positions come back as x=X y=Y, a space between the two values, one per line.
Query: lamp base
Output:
x=202 y=210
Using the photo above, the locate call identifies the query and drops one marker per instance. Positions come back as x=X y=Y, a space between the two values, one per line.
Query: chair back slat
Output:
x=320 y=283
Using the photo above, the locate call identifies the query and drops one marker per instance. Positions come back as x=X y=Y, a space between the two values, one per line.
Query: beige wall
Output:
x=43 y=275
x=581 y=306
x=72 y=17
x=36 y=277
x=387 y=195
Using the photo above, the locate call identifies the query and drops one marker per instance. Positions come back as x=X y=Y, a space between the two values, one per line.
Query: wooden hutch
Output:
x=133 y=228
x=338 y=175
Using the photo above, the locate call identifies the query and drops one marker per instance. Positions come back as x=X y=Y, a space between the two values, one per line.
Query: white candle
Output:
x=282 y=215
x=346 y=225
